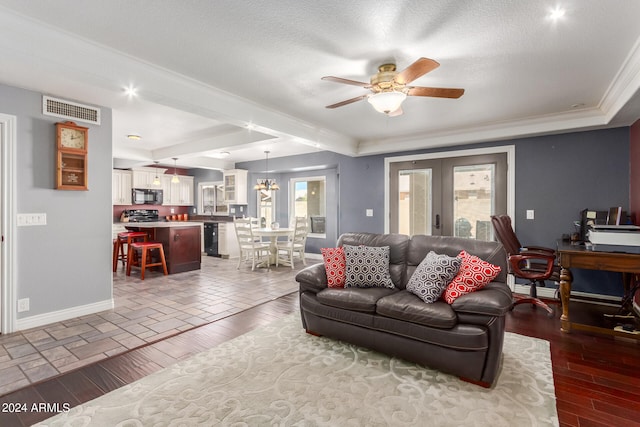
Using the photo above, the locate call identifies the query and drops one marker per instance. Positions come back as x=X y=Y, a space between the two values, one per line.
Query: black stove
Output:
x=141 y=215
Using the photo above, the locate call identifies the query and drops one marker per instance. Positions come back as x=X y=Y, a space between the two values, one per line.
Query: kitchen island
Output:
x=181 y=242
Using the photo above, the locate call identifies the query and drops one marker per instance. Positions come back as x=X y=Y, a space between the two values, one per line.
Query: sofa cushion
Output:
x=367 y=267
x=420 y=245
x=398 y=244
x=432 y=276
x=335 y=266
x=474 y=274
x=403 y=305
x=356 y=299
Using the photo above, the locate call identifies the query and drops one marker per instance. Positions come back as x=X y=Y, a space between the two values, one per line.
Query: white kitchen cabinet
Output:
x=177 y=194
x=235 y=187
x=165 y=181
x=143 y=177
x=121 y=184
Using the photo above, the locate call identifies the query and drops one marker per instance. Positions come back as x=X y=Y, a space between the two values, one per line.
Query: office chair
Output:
x=533 y=263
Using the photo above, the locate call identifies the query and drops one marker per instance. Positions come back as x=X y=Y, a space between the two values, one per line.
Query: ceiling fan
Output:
x=390 y=88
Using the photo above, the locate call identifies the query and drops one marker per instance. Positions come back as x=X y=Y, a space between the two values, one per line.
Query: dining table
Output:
x=273 y=234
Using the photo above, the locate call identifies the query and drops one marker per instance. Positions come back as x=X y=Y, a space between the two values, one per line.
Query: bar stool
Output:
x=142 y=262
x=126 y=237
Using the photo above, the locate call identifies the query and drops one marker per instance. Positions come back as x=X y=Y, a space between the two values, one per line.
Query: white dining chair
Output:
x=250 y=248
x=295 y=243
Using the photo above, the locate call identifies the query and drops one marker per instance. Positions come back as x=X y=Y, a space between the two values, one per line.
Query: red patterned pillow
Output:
x=474 y=274
x=335 y=265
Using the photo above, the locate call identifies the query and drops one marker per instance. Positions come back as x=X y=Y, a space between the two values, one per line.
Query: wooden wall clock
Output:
x=71 y=160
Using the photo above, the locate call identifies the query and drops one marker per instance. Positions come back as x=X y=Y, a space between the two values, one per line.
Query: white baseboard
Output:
x=542 y=292
x=61 y=315
x=551 y=293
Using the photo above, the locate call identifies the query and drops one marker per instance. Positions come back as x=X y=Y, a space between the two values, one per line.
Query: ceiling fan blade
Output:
x=419 y=68
x=346 y=81
x=437 y=92
x=397 y=112
x=348 y=101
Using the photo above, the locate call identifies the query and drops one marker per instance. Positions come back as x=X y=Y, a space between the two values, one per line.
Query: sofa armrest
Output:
x=312 y=278
x=495 y=299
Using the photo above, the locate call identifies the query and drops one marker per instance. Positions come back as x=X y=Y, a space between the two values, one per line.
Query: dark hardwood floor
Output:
x=597 y=378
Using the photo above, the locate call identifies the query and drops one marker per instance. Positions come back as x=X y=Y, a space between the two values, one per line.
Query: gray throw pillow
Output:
x=433 y=275
x=367 y=267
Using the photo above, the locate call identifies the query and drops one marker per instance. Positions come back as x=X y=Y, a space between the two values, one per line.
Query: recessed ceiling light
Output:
x=220 y=155
x=134 y=137
x=130 y=91
x=556 y=14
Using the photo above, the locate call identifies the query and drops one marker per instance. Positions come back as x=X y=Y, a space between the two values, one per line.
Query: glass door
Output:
x=416 y=195
x=453 y=196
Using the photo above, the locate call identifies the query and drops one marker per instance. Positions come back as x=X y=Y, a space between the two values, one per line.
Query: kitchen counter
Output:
x=162 y=224
x=181 y=241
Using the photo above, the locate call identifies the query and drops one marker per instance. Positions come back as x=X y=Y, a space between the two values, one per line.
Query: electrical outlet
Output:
x=23 y=305
x=369 y=212
x=173 y=210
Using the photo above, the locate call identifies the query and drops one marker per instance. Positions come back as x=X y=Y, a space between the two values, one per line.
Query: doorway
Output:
x=449 y=194
x=8 y=129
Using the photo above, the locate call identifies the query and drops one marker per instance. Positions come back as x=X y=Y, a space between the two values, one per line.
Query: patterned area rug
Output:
x=279 y=375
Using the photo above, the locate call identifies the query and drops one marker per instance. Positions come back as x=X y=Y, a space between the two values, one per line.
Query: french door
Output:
x=453 y=196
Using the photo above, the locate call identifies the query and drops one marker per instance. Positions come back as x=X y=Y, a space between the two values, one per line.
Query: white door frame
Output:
x=511 y=172
x=8 y=143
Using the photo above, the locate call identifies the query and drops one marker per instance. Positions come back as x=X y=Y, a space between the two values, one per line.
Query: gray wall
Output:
x=557 y=176
x=65 y=263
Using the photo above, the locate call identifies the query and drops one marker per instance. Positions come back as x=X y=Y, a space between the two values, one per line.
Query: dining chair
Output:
x=250 y=248
x=295 y=243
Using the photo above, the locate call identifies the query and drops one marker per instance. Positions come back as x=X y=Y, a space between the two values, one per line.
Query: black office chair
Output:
x=533 y=263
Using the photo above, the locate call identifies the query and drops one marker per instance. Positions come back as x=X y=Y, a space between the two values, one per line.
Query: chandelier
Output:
x=267 y=184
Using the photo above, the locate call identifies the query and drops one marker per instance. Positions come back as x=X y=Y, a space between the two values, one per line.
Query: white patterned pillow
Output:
x=433 y=275
x=367 y=267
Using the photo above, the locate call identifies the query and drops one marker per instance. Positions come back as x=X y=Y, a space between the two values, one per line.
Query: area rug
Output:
x=279 y=375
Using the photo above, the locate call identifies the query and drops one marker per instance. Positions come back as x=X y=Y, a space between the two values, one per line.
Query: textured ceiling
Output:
x=216 y=67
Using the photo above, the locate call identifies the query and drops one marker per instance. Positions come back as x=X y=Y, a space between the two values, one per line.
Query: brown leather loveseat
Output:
x=464 y=338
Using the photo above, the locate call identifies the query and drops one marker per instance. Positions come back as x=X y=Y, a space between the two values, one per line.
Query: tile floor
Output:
x=145 y=311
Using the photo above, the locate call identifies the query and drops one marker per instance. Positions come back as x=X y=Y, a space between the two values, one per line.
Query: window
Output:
x=266 y=206
x=211 y=199
x=309 y=200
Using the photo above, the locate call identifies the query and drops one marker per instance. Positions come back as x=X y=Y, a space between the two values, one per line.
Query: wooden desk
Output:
x=578 y=256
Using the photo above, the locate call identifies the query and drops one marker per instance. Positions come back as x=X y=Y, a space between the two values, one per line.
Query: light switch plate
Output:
x=369 y=212
x=530 y=214
x=28 y=219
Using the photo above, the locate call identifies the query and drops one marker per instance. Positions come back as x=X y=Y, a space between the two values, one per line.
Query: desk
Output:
x=273 y=234
x=578 y=256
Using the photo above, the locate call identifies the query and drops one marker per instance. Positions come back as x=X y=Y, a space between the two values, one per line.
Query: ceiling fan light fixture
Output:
x=387 y=102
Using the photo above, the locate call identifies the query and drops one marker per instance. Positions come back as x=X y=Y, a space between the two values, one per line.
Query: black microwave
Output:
x=145 y=196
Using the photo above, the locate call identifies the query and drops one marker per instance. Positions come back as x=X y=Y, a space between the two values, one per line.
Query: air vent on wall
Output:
x=70 y=110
